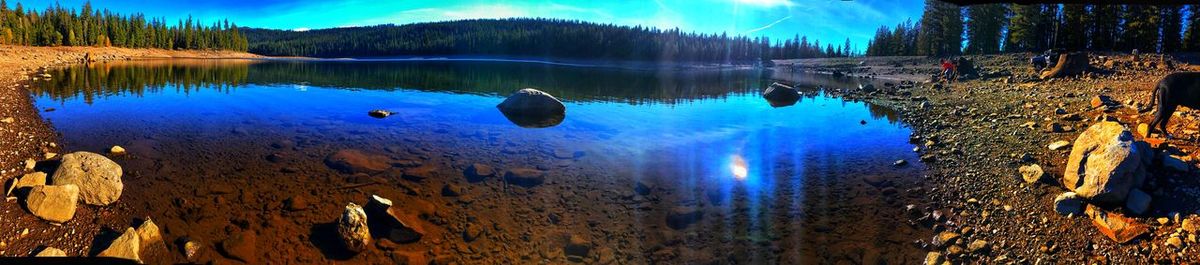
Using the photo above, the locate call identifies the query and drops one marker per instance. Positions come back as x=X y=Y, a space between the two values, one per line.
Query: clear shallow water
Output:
x=190 y=125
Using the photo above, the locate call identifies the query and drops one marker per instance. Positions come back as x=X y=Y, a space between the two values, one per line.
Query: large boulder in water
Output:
x=532 y=108
x=1105 y=163
x=98 y=178
x=780 y=95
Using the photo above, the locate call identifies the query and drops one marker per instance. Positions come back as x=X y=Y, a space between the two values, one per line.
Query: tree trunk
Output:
x=1068 y=64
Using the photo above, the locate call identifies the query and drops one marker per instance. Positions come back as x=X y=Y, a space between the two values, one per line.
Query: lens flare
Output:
x=738 y=168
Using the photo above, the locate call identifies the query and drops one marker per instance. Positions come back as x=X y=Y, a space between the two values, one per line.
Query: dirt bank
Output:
x=975 y=134
x=25 y=136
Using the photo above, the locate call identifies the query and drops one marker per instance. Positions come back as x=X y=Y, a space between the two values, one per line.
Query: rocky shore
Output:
x=997 y=145
x=63 y=218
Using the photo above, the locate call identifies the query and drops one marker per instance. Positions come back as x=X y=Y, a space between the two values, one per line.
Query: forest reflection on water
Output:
x=703 y=138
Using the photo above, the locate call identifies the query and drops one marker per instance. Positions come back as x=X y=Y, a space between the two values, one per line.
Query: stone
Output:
x=1116 y=226
x=899 y=163
x=1105 y=163
x=8 y=120
x=352 y=161
x=352 y=228
x=1175 y=164
x=577 y=247
x=642 y=188
x=877 y=181
x=1191 y=224
x=1031 y=173
x=1143 y=129
x=681 y=217
x=451 y=190
x=127 y=246
x=191 y=250
x=1138 y=202
x=27 y=181
x=30 y=164
x=1175 y=242
x=392 y=224
x=978 y=246
x=420 y=173
x=530 y=101
x=116 y=150
x=479 y=172
x=51 y=252
x=1068 y=203
x=148 y=233
x=53 y=203
x=945 y=238
x=934 y=258
x=525 y=177
x=241 y=246
x=98 y=178
x=296 y=203
x=780 y=95
x=379 y=113
x=1057 y=145
x=472 y=232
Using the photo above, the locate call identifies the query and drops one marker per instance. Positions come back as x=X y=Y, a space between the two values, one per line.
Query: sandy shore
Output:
x=975 y=134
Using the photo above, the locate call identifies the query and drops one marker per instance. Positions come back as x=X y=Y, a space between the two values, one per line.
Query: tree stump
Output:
x=1068 y=64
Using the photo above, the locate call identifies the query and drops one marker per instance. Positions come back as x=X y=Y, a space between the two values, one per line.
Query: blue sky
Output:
x=826 y=20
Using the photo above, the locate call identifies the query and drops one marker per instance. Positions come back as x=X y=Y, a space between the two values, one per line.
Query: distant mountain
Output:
x=513 y=38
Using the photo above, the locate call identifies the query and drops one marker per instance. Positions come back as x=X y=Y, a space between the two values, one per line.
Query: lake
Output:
x=647 y=166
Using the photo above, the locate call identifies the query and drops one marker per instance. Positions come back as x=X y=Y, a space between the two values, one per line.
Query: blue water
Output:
x=690 y=133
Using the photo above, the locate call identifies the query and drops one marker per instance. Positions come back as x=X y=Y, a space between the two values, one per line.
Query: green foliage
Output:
x=941 y=29
x=56 y=26
x=1140 y=29
x=1074 y=33
x=1170 y=19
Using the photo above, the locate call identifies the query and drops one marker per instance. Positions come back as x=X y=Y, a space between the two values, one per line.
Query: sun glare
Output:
x=738 y=167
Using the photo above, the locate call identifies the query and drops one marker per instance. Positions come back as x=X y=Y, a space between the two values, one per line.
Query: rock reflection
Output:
x=534 y=121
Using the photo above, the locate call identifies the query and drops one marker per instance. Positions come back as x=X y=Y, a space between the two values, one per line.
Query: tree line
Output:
x=58 y=26
x=533 y=37
x=992 y=28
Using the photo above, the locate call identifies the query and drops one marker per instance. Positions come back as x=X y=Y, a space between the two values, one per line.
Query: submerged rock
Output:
x=577 y=247
x=1105 y=163
x=53 y=203
x=355 y=161
x=98 y=178
x=390 y=223
x=1138 y=202
x=479 y=172
x=126 y=246
x=352 y=228
x=241 y=246
x=681 y=217
x=525 y=177
x=533 y=108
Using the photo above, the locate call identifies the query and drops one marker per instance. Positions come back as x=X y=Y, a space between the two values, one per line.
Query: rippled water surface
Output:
x=220 y=146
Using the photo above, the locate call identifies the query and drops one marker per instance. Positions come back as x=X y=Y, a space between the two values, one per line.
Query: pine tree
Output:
x=1191 y=38
x=941 y=29
x=1140 y=29
x=1023 y=28
x=1075 y=27
x=1171 y=19
x=984 y=28
x=1105 y=27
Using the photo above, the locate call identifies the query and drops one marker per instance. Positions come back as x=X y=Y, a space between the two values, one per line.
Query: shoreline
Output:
x=972 y=136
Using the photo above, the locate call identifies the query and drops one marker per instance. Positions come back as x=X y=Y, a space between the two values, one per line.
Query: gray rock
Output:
x=577 y=247
x=530 y=101
x=352 y=228
x=53 y=203
x=1175 y=164
x=98 y=178
x=1068 y=203
x=127 y=246
x=1138 y=201
x=479 y=172
x=1105 y=163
